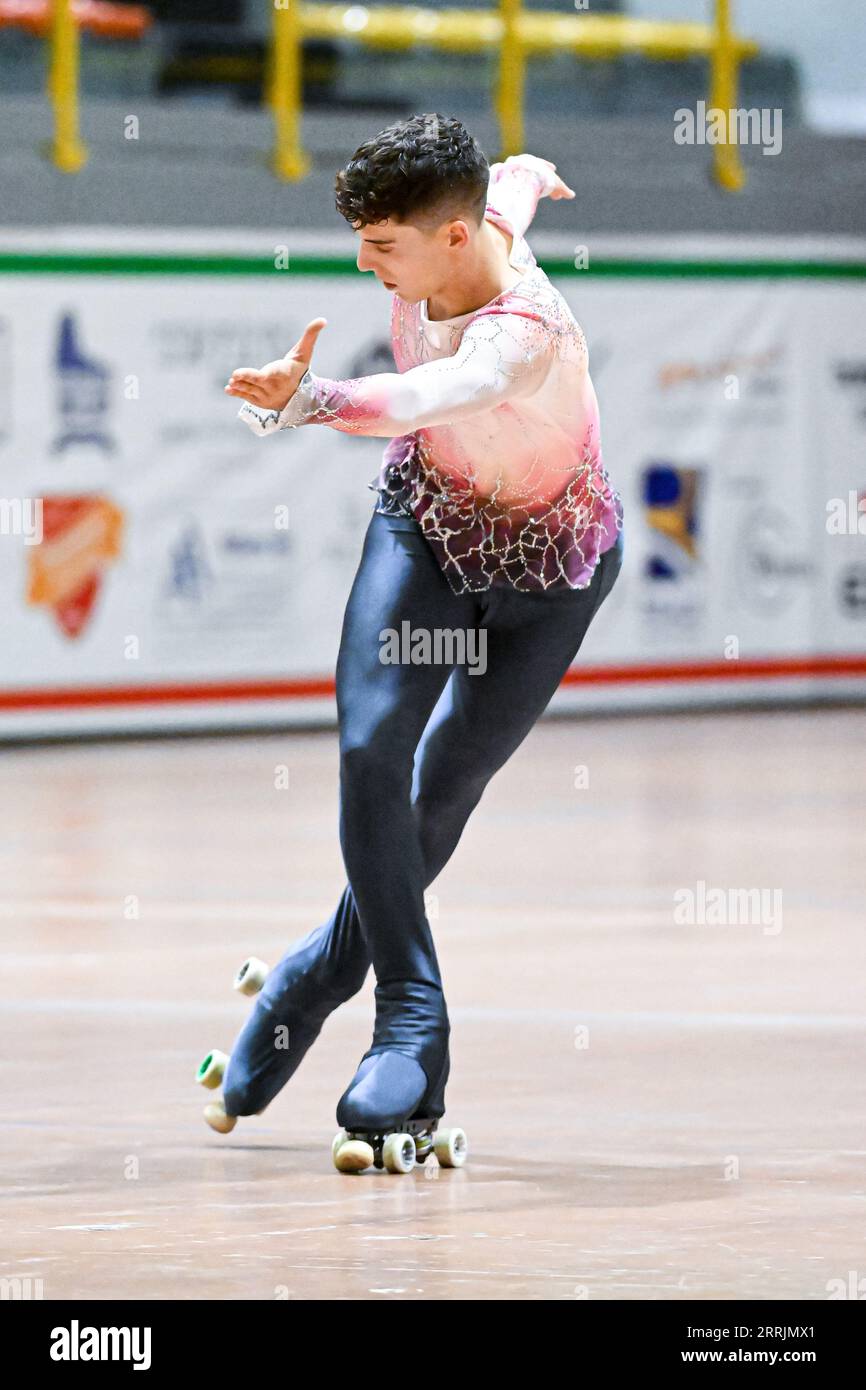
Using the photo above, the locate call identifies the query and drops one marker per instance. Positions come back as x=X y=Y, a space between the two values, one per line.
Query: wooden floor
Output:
x=655 y=1110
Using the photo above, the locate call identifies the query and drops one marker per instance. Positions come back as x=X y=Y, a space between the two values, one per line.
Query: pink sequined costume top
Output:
x=492 y=419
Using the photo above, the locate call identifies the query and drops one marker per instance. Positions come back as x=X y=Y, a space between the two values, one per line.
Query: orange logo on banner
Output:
x=80 y=536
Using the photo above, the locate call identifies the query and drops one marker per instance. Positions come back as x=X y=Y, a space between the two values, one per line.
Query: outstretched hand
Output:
x=559 y=189
x=273 y=385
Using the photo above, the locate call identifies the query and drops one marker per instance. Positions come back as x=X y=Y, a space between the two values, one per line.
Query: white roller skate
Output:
x=248 y=980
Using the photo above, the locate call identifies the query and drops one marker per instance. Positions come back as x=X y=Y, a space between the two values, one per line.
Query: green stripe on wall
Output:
x=58 y=263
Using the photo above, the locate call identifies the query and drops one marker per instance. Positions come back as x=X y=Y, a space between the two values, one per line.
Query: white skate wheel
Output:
x=251 y=976
x=351 y=1155
x=216 y=1116
x=450 y=1147
x=398 y=1153
x=210 y=1073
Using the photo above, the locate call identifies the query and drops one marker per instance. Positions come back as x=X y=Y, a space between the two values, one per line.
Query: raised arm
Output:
x=517 y=185
x=501 y=355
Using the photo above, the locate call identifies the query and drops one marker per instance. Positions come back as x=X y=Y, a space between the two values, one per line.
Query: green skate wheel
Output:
x=210 y=1073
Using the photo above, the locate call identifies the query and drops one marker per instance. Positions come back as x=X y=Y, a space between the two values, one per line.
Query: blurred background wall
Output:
x=195 y=82
x=827 y=43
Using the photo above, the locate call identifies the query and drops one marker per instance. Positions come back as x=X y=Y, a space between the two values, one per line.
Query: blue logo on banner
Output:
x=670 y=498
x=83 y=393
x=190 y=575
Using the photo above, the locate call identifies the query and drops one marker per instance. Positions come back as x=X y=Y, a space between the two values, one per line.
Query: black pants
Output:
x=418 y=745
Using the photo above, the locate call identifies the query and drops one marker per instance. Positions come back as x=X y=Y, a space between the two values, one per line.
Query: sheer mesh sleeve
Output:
x=517 y=185
x=502 y=354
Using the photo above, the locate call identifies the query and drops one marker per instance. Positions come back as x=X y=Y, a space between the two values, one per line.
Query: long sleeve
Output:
x=517 y=185
x=502 y=354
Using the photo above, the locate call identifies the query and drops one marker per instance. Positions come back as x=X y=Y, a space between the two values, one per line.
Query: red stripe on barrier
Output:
x=772 y=667
x=78 y=696
x=776 y=668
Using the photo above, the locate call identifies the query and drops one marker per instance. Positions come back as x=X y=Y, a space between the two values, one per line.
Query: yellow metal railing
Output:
x=509 y=30
x=516 y=35
x=724 y=85
x=60 y=22
x=67 y=151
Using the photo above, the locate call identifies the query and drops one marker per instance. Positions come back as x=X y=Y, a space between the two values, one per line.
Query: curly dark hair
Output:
x=422 y=170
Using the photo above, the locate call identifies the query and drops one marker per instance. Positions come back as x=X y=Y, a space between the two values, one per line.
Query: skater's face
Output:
x=413 y=260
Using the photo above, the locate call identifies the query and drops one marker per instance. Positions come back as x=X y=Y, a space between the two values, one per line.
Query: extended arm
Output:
x=501 y=355
x=517 y=185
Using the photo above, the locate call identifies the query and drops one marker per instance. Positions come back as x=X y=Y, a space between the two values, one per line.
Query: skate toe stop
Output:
x=351 y=1155
x=216 y=1116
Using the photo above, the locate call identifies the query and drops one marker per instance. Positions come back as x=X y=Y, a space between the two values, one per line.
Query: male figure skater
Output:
x=494 y=512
